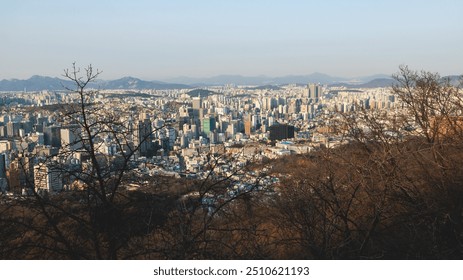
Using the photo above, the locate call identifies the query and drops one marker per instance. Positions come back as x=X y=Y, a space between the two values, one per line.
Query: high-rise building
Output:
x=281 y=131
x=197 y=106
x=183 y=140
x=13 y=174
x=144 y=116
x=142 y=137
x=248 y=125
x=184 y=111
x=12 y=129
x=314 y=92
x=171 y=135
x=3 y=131
x=71 y=137
x=270 y=120
x=233 y=128
x=197 y=103
x=194 y=131
x=181 y=121
x=208 y=125
x=2 y=166
x=212 y=137
x=47 y=178
x=52 y=136
x=19 y=174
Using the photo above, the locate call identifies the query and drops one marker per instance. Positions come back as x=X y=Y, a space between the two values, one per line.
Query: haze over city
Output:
x=167 y=39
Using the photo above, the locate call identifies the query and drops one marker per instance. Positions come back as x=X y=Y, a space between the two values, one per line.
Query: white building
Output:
x=47 y=179
x=71 y=137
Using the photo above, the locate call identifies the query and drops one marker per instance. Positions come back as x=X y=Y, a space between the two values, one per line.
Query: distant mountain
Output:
x=386 y=82
x=223 y=80
x=34 y=83
x=256 y=80
x=306 y=79
x=267 y=87
x=381 y=82
x=265 y=80
x=454 y=79
x=201 y=93
x=365 y=79
x=37 y=83
x=134 y=83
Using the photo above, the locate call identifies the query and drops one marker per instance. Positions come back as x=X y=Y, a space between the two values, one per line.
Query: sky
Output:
x=162 y=39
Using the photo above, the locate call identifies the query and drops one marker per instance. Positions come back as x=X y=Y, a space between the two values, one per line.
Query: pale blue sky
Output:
x=170 y=38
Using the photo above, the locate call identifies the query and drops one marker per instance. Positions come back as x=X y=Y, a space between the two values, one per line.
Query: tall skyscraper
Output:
x=52 y=136
x=171 y=135
x=197 y=106
x=248 y=125
x=142 y=137
x=314 y=92
x=208 y=125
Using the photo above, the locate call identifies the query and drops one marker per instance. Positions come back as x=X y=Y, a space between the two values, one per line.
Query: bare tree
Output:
x=92 y=221
x=392 y=190
x=99 y=218
x=433 y=103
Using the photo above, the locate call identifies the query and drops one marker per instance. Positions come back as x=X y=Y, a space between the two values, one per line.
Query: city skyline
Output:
x=156 y=40
x=98 y=167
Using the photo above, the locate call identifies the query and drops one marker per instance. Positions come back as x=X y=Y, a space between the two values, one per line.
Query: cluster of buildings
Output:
x=173 y=132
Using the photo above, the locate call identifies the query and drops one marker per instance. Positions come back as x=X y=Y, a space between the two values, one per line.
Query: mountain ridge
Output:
x=260 y=80
x=38 y=83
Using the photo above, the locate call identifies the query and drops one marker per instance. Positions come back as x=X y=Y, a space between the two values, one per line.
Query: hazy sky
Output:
x=161 y=39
